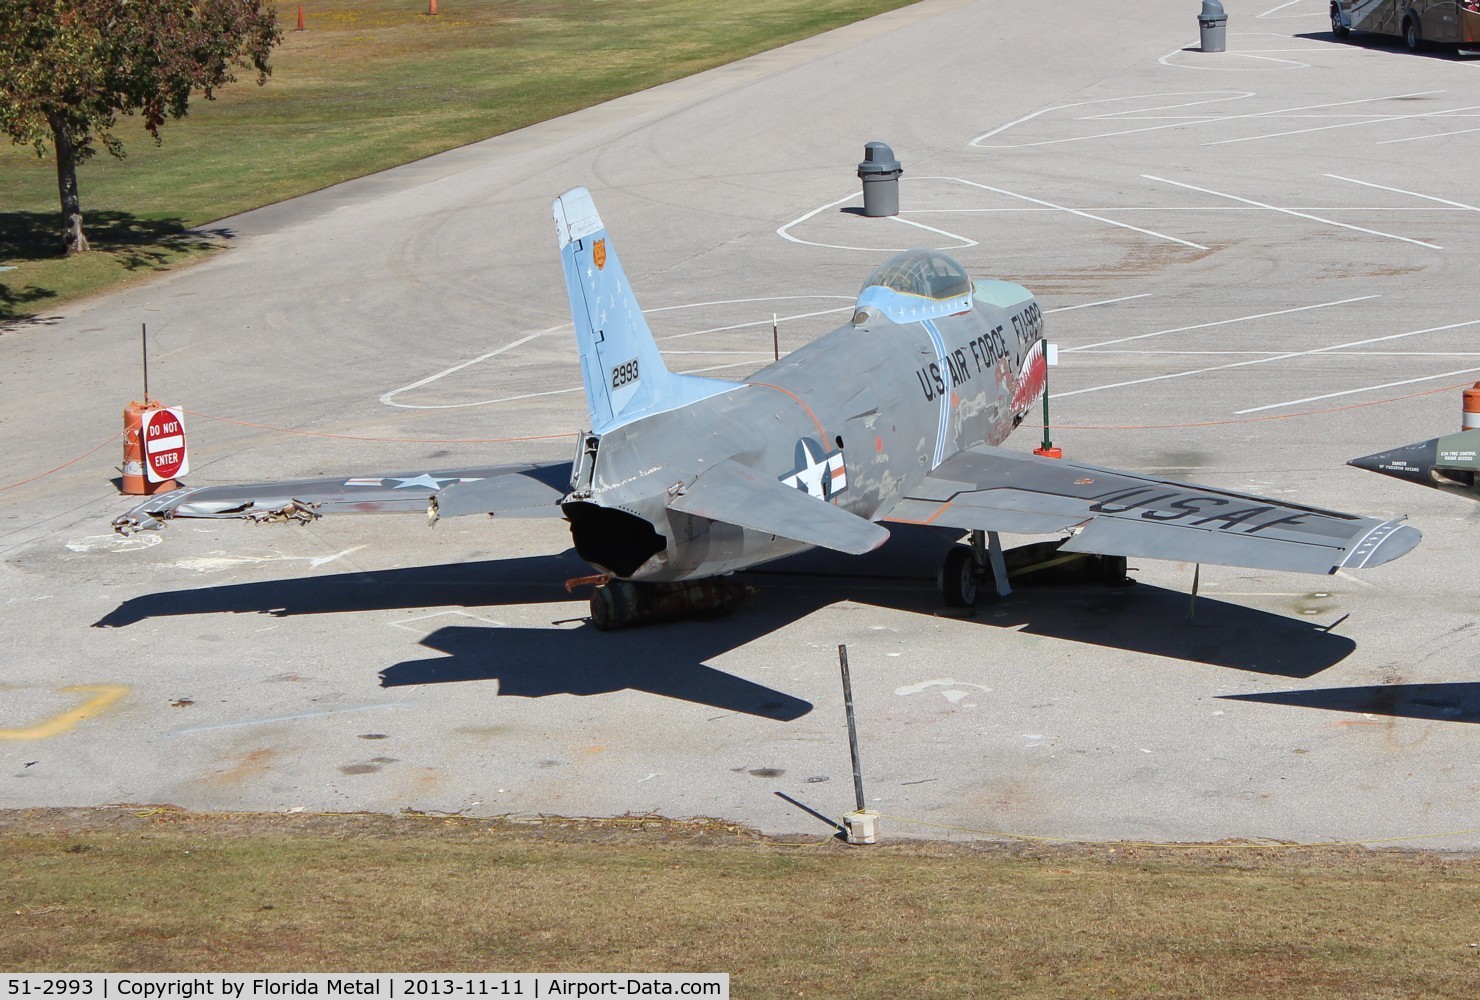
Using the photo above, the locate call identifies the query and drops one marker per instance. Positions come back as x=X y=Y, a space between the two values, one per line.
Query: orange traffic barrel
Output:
x=135 y=482
x=1471 y=416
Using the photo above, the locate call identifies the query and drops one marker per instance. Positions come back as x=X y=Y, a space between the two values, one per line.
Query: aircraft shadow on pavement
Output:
x=1140 y=618
x=527 y=580
x=667 y=660
x=671 y=659
x=1458 y=702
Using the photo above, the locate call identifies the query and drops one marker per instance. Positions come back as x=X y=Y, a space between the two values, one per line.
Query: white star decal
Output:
x=425 y=481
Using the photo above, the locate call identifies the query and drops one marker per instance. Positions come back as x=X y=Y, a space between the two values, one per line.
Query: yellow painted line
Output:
x=106 y=695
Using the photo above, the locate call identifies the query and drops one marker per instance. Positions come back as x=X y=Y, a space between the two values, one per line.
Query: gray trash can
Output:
x=1212 y=24
x=879 y=172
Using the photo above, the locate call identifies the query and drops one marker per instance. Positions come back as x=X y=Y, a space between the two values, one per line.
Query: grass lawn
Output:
x=164 y=890
x=370 y=84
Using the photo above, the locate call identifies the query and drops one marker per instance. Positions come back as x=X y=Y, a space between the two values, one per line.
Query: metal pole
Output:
x=775 y=338
x=852 y=729
x=1047 y=443
x=144 y=342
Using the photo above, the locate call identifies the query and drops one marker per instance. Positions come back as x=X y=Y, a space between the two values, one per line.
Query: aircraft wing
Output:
x=502 y=490
x=1125 y=514
x=732 y=493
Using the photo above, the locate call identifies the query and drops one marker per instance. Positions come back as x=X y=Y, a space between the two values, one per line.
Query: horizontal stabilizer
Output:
x=1125 y=514
x=734 y=494
x=522 y=486
x=536 y=492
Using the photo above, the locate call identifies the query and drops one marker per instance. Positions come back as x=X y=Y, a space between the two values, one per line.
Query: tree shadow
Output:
x=135 y=243
x=133 y=240
x=15 y=299
x=1458 y=702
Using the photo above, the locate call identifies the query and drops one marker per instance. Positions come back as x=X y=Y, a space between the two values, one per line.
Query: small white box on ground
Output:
x=861 y=826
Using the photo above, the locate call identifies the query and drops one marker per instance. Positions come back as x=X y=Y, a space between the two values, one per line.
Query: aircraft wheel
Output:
x=1337 y=28
x=612 y=605
x=957 y=578
x=1411 y=37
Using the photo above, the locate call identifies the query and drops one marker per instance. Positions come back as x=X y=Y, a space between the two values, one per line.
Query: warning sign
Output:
x=163 y=434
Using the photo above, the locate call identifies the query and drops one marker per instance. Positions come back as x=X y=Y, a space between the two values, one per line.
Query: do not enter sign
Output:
x=163 y=435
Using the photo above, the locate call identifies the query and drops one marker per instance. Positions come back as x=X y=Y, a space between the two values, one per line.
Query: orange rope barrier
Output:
x=386 y=440
x=43 y=475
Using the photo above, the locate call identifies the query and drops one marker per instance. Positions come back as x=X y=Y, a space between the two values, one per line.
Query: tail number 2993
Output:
x=624 y=374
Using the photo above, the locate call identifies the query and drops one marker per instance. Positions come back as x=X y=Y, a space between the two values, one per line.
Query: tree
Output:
x=69 y=68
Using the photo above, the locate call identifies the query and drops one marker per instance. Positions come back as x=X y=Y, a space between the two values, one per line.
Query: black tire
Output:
x=957 y=579
x=1411 y=37
x=1337 y=28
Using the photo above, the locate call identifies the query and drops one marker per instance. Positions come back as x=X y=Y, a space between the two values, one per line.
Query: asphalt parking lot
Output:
x=1256 y=264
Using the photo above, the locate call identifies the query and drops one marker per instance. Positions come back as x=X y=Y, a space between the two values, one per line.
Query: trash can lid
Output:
x=878 y=158
x=1212 y=9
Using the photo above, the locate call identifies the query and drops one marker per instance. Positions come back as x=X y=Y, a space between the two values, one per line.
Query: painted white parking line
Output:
x=1222 y=64
x=1102 y=302
x=1216 y=322
x=962 y=242
x=1290 y=3
x=1074 y=211
x=1279 y=357
x=1291 y=211
x=1170 y=351
x=782 y=232
x=965 y=241
x=1365 y=388
x=1183 y=208
x=1382 y=120
x=1224 y=95
x=1177 y=124
x=738 y=302
x=1436 y=135
x=758 y=322
x=389 y=398
x=1415 y=194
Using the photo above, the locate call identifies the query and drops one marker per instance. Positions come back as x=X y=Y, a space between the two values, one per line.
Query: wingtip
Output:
x=1388 y=541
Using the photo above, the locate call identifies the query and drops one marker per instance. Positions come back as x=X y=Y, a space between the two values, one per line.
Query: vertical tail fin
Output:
x=623 y=372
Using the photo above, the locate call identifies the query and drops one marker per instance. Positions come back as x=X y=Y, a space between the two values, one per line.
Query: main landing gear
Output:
x=982 y=563
x=968 y=566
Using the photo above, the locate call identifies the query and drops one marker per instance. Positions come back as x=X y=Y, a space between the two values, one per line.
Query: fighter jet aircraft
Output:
x=894 y=417
x=1447 y=463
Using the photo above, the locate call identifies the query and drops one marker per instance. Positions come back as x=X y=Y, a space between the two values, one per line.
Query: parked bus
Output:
x=1417 y=21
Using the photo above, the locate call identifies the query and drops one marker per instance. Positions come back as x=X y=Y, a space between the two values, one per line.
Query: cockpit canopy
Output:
x=917 y=285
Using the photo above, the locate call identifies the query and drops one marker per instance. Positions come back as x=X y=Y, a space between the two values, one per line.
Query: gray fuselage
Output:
x=873 y=406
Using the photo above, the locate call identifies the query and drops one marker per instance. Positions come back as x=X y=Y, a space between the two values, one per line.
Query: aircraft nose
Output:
x=1413 y=462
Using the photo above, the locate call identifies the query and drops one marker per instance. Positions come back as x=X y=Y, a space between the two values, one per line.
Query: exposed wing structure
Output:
x=503 y=490
x=1124 y=514
x=732 y=493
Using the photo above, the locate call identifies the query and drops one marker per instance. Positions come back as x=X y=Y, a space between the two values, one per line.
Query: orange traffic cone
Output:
x=135 y=482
